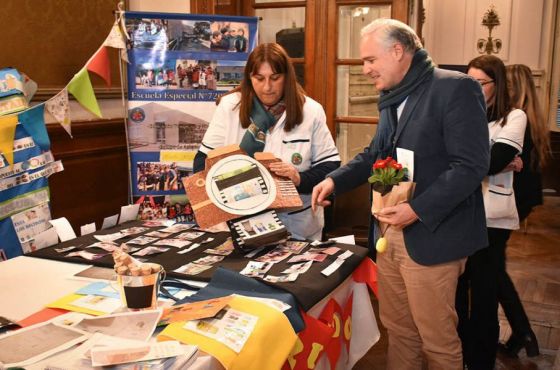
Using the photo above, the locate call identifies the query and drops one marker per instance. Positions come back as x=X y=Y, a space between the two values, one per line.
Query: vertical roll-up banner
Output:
x=179 y=65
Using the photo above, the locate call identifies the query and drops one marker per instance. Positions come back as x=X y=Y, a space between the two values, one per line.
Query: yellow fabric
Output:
x=267 y=348
x=66 y=304
x=7 y=133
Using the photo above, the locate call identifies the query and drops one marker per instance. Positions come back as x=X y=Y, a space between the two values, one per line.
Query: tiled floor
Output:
x=534 y=265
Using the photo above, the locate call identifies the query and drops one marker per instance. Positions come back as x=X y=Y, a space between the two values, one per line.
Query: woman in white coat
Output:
x=269 y=112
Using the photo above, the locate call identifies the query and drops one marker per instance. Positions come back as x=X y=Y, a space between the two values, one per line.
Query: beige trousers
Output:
x=417 y=306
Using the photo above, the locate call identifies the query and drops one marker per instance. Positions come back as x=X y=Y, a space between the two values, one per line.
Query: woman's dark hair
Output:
x=496 y=70
x=294 y=95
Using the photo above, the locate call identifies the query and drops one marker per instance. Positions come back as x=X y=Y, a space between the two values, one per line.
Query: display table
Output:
x=28 y=283
x=309 y=289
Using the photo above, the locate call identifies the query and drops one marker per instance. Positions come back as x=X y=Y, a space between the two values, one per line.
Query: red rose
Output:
x=396 y=166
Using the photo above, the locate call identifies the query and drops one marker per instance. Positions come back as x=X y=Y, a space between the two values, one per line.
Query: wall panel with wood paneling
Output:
x=52 y=40
x=94 y=183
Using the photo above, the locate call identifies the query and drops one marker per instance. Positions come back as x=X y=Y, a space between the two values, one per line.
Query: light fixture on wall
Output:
x=360 y=11
x=490 y=45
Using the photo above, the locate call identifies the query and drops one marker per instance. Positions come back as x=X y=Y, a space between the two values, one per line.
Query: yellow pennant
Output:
x=7 y=134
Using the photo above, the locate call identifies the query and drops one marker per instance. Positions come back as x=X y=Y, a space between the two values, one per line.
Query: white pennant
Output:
x=116 y=40
x=59 y=108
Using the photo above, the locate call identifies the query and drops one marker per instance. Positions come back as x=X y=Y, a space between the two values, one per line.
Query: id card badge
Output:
x=406 y=158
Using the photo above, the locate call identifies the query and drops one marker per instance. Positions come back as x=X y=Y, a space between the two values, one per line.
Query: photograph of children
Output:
x=159 y=176
x=230 y=37
x=275 y=255
x=155 y=76
x=196 y=74
x=145 y=33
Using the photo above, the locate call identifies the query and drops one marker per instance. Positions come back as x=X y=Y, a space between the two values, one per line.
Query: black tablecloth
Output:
x=308 y=289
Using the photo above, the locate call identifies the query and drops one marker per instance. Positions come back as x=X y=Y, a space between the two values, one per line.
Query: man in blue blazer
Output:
x=440 y=117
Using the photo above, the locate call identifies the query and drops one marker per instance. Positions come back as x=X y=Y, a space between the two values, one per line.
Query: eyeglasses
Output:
x=482 y=82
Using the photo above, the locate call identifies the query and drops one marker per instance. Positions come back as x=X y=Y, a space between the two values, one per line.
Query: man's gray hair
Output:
x=391 y=31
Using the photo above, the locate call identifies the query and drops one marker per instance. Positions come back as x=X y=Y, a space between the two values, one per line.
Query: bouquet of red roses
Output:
x=390 y=187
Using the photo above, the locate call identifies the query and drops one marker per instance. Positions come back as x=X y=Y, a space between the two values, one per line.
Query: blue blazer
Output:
x=444 y=124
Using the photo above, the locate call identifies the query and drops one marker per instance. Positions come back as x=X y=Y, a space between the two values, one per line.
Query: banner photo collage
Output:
x=179 y=65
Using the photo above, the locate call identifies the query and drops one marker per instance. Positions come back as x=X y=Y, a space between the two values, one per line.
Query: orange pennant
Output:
x=99 y=64
x=367 y=273
x=332 y=316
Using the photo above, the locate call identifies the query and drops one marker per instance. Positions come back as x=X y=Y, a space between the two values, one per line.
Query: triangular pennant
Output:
x=7 y=134
x=33 y=121
x=99 y=64
x=80 y=87
x=59 y=108
x=116 y=40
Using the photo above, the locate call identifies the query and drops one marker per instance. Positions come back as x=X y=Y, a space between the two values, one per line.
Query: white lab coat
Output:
x=310 y=141
x=511 y=134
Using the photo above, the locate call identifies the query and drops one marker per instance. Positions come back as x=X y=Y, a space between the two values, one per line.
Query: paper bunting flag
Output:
x=116 y=40
x=33 y=121
x=7 y=133
x=99 y=64
x=59 y=108
x=80 y=87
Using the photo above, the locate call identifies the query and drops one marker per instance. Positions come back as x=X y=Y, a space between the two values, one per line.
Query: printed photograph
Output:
x=232 y=37
x=148 y=33
x=157 y=126
x=163 y=207
x=196 y=74
x=159 y=176
x=189 y=35
x=156 y=76
x=257 y=225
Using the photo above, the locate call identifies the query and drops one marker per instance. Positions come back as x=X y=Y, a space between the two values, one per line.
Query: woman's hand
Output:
x=515 y=165
x=286 y=170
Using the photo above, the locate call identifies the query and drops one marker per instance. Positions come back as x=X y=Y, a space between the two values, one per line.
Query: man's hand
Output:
x=399 y=216
x=286 y=170
x=321 y=191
